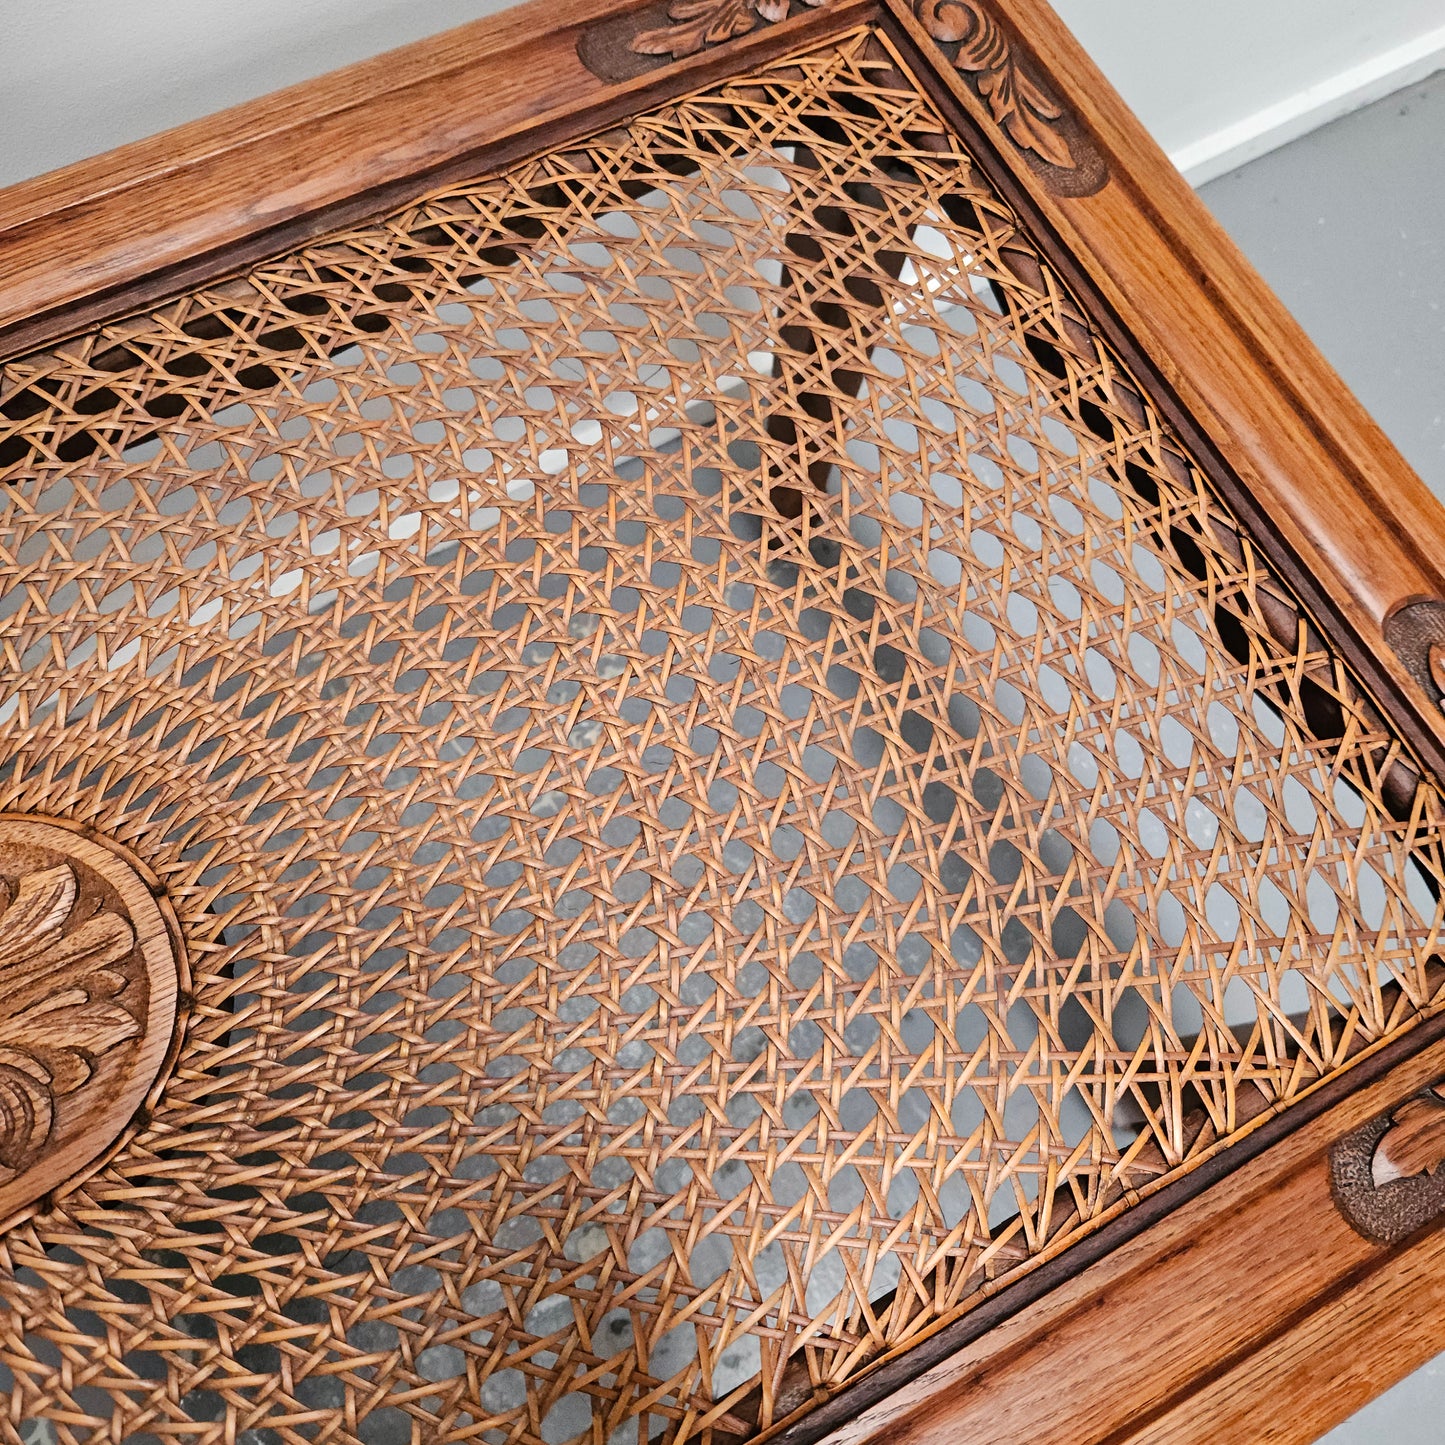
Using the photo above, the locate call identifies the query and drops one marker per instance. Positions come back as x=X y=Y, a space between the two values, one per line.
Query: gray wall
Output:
x=84 y=76
x=1348 y=226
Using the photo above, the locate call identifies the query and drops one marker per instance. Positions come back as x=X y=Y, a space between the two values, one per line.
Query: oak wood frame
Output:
x=1343 y=518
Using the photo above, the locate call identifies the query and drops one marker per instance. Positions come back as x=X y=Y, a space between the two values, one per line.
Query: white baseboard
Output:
x=1308 y=109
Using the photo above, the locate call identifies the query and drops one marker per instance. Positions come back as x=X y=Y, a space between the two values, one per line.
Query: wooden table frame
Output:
x=1318 y=1319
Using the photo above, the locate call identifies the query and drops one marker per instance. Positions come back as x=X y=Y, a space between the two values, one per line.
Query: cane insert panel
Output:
x=727 y=780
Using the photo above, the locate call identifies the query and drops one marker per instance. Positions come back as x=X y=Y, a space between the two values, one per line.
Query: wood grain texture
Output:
x=1225 y=1320
x=1337 y=1358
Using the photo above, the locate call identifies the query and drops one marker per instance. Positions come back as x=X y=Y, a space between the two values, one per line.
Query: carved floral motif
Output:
x=980 y=48
x=1024 y=112
x=1388 y=1176
x=696 y=24
x=58 y=1008
x=1414 y=1144
x=92 y=965
x=1416 y=632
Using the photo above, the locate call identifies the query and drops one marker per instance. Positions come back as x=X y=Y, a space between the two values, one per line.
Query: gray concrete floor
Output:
x=1348 y=226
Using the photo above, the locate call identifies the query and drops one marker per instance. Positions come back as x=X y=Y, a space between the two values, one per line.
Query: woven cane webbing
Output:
x=725 y=776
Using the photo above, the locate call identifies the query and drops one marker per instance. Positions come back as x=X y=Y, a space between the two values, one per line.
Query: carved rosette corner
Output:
x=694 y=25
x=90 y=973
x=1416 y=634
x=1037 y=124
x=630 y=45
x=1031 y=119
x=1388 y=1176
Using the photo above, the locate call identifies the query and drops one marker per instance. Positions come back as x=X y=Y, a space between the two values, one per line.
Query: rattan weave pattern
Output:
x=641 y=938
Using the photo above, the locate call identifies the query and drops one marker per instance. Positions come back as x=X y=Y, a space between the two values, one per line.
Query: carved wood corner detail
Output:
x=1023 y=109
x=978 y=46
x=1416 y=633
x=1388 y=1176
x=630 y=45
x=90 y=974
x=695 y=24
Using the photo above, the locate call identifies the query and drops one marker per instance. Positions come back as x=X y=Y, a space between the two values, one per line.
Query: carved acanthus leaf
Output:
x=57 y=1004
x=981 y=50
x=1414 y=1144
x=696 y=24
x=1020 y=106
